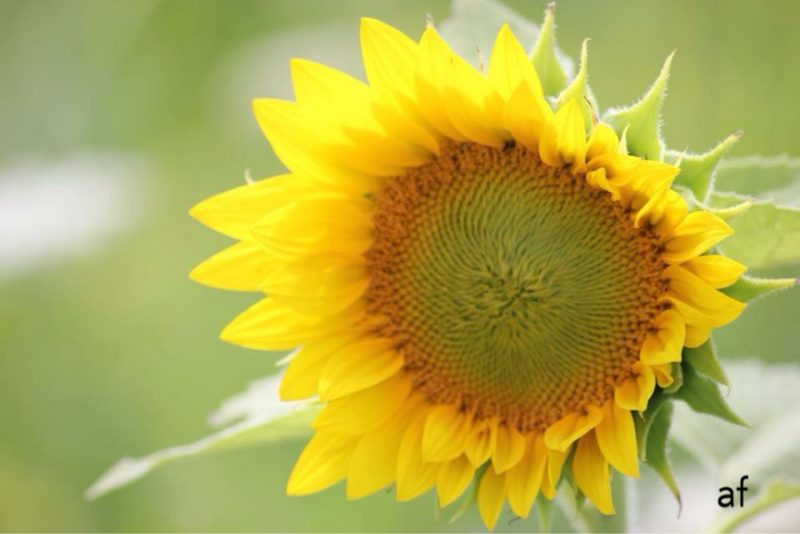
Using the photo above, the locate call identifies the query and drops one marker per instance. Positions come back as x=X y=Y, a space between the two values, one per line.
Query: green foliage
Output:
x=656 y=448
x=703 y=396
x=703 y=359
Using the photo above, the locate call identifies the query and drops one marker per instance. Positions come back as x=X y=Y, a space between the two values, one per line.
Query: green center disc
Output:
x=512 y=288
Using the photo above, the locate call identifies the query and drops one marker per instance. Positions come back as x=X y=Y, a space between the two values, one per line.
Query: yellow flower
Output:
x=475 y=284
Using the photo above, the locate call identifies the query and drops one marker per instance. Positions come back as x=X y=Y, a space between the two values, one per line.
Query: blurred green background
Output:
x=116 y=117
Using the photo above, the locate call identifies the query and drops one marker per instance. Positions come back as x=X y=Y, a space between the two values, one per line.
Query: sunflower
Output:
x=480 y=286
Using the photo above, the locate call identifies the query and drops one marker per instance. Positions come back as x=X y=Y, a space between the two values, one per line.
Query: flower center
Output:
x=512 y=288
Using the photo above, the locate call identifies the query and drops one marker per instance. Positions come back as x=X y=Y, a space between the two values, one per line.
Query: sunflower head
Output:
x=483 y=281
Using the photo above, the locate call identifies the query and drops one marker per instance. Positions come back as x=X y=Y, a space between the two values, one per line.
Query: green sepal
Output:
x=703 y=359
x=579 y=90
x=703 y=396
x=643 y=118
x=544 y=56
x=697 y=170
x=746 y=288
x=644 y=421
x=656 y=449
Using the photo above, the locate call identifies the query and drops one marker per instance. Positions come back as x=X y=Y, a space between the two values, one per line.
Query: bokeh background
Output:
x=116 y=117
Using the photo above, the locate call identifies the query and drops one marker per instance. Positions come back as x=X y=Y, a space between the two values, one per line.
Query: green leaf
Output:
x=643 y=118
x=263 y=423
x=656 y=447
x=703 y=396
x=697 y=170
x=473 y=25
x=765 y=236
x=644 y=422
x=703 y=359
x=547 y=59
x=746 y=288
x=579 y=90
x=775 y=179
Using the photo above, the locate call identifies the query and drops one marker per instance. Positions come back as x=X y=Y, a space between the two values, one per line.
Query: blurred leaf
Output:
x=547 y=60
x=703 y=359
x=697 y=170
x=544 y=513
x=643 y=118
x=268 y=423
x=746 y=288
x=774 y=179
x=776 y=493
x=765 y=236
x=677 y=379
x=703 y=396
x=656 y=455
x=473 y=26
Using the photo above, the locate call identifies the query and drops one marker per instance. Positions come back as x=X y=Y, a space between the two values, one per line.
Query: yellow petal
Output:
x=268 y=325
x=414 y=477
x=295 y=136
x=364 y=411
x=509 y=448
x=665 y=345
x=552 y=474
x=590 y=470
x=446 y=431
x=603 y=140
x=348 y=107
x=322 y=463
x=316 y=226
x=563 y=433
x=453 y=479
x=696 y=234
x=528 y=117
x=491 y=494
x=431 y=74
x=616 y=437
x=389 y=56
x=466 y=93
x=716 y=271
x=241 y=267
x=692 y=290
x=566 y=144
x=663 y=375
x=509 y=66
x=321 y=284
x=481 y=442
x=374 y=462
x=524 y=479
x=235 y=211
x=635 y=393
x=357 y=366
x=301 y=379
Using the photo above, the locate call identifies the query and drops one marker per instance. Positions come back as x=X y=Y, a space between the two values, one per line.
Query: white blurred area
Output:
x=53 y=209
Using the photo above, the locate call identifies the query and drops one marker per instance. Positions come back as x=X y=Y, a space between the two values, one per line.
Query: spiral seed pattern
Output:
x=513 y=289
